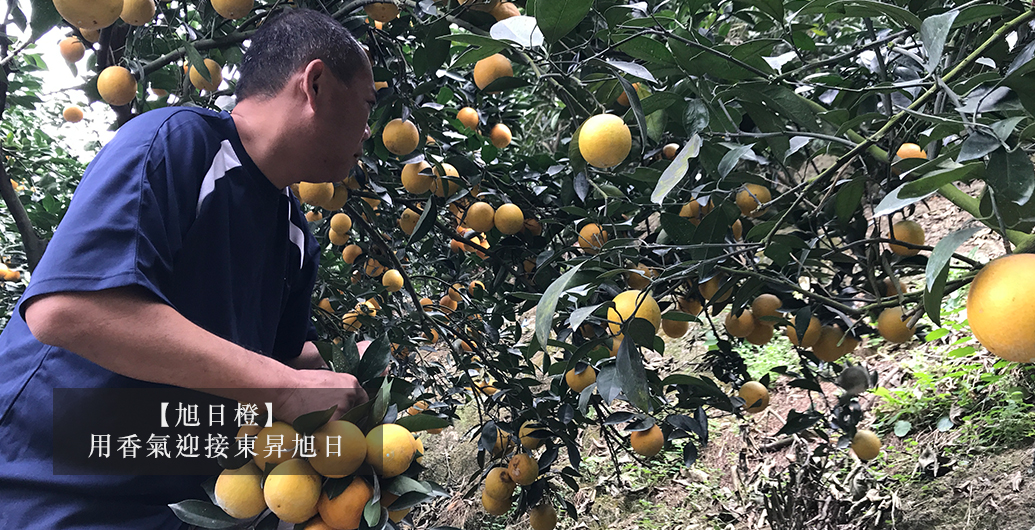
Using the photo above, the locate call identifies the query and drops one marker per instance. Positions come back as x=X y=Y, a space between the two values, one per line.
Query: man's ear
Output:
x=313 y=77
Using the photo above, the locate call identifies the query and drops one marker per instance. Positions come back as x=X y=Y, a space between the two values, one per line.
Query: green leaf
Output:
x=202 y=514
x=557 y=18
x=422 y=422
x=632 y=376
x=426 y=221
x=977 y=145
x=656 y=123
x=1011 y=175
x=401 y=485
x=381 y=402
x=676 y=170
x=696 y=116
x=44 y=17
x=945 y=424
x=472 y=39
x=473 y=55
x=902 y=428
x=932 y=181
x=309 y=422
x=547 y=305
x=938 y=270
x=731 y=158
x=375 y=359
x=933 y=32
x=658 y=101
x=433 y=54
x=646 y=49
x=197 y=62
x=634 y=104
x=848 y=198
x=505 y=83
x=892 y=202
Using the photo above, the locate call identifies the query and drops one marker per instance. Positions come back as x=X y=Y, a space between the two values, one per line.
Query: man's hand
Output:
x=318 y=390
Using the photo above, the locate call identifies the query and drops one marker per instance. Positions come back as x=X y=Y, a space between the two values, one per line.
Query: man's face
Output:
x=343 y=127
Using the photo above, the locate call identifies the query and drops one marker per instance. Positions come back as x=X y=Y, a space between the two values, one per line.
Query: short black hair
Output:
x=288 y=42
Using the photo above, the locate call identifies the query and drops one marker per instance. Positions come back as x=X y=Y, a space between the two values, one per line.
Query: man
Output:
x=183 y=260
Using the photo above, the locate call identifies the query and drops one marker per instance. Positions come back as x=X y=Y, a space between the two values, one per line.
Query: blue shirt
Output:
x=172 y=204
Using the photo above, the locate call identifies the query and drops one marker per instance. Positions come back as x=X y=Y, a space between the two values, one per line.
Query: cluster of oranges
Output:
x=300 y=490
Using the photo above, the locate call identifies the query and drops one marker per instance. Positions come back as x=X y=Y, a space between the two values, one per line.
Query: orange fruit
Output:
x=274 y=444
x=690 y=306
x=408 y=221
x=694 y=212
x=382 y=12
x=633 y=304
x=390 y=449
x=605 y=140
x=138 y=12
x=495 y=506
x=649 y=442
x=444 y=187
x=400 y=136
x=669 y=151
x=754 y=392
x=527 y=441
x=766 y=305
x=826 y=347
x=740 y=326
x=350 y=253
x=891 y=326
x=412 y=179
x=93 y=14
x=490 y=69
x=392 y=280
x=811 y=333
x=1000 y=308
x=90 y=35
x=72 y=114
x=480 y=216
x=341 y=223
x=475 y=287
x=579 y=382
x=543 y=517
x=292 y=491
x=71 y=49
x=751 y=197
x=345 y=511
x=340 y=449
x=239 y=492
x=908 y=232
x=509 y=219
x=640 y=281
x=523 y=470
x=117 y=86
x=674 y=328
x=215 y=74
x=761 y=335
x=232 y=9
x=866 y=444
x=469 y=117
x=623 y=98
x=591 y=238
x=910 y=150
x=500 y=135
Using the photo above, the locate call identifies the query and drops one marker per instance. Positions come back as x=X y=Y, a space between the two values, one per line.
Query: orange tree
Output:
x=623 y=169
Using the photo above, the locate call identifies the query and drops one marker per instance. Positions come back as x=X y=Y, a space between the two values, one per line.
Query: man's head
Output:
x=290 y=41
x=307 y=90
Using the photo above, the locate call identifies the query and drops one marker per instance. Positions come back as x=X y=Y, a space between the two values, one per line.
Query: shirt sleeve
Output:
x=296 y=322
x=126 y=219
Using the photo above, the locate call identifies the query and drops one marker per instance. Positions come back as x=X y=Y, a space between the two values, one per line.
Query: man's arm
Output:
x=128 y=331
